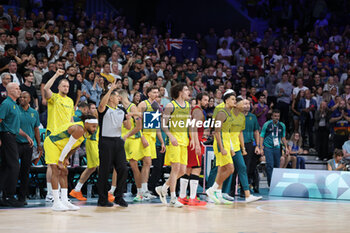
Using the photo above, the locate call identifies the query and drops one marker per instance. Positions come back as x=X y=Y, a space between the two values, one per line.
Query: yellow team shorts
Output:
x=222 y=160
x=133 y=149
x=92 y=154
x=175 y=154
x=52 y=152
x=150 y=150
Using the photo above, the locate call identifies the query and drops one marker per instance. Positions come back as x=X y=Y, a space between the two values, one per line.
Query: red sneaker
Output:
x=183 y=201
x=196 y=202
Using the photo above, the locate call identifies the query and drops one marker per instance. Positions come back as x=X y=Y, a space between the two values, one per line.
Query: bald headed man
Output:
x=9 y=129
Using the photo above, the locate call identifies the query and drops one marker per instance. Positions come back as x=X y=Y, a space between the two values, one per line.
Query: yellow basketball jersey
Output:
x=149 y=132
x=133 y=124
x=60 y=111
x=60 y=139
x=177 y=122
x=236 y=128
x=225 y=130
x=218 y=108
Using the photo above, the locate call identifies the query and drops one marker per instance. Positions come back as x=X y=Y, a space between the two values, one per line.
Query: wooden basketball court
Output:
x=268 y=215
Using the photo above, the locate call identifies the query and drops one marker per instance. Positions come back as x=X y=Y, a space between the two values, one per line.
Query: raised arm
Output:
x=48 y=85
x=104 y=100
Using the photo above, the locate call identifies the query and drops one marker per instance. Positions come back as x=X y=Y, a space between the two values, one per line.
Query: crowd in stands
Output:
x=304 y=75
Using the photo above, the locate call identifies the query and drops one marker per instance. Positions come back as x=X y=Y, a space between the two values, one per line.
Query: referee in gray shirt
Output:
x=283 y=92
x=111 y=147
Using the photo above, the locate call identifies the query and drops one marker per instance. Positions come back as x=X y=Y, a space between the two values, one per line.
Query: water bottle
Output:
x=89 y=189
x=37 y=193
x=76 y=159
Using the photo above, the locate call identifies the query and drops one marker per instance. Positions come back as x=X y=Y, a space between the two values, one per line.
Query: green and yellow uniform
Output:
x=60 y=111
x=222 y=160
x=150 y=135
x=218 y=108
x=133 y=145
x=55 y=143
x=92 y=152
x=178 y=128
x=238 y=125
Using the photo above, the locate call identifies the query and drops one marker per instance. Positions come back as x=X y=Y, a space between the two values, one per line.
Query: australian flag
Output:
x=182 y=49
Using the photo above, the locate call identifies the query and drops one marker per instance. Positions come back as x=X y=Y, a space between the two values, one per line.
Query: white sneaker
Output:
x=148 y=196
x=228 y=197
x=70 y=206
x=59 y=206
x=211 y=195
x=252 y=198
x=162 y=195
x=49 y=198
x=175 y=203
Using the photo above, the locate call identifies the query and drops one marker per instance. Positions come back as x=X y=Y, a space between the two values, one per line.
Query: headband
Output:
x=91 y=121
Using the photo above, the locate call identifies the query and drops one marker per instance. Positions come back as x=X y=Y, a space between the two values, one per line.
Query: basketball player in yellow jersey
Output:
x=133 y=145
x=60 y=111
x=148 y=139
x=237 y=146
x=222 y=148
x=175 y=117
x=59 y=147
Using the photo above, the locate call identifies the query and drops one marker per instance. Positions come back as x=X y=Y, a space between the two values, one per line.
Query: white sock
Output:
x=78 y=187
x=139 y=191
x=219 y=193
x=144 y=187
x=183 y=187
x=64 y=194
x=49 y=188
x=173 y=195
x=112 y=189
x=193 y=187
x=165 y=187
x=56 y=196
x=215 y=186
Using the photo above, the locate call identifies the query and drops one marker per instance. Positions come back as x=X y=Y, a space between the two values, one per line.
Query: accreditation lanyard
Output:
x=275 y=136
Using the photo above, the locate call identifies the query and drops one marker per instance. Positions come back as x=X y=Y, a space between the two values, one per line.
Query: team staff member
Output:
x=60 y=111
x=29 y=123
x=176 y=112
x=59 y=147
x=251 y=143
x=195 y=154
x=9 y=128
x=272 y=134
x=111 y=146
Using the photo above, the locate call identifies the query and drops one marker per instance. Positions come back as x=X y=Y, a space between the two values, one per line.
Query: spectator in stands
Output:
x=283 y=92
x=307 y=108
x=336 y=163
x=28 y=87
x=295 y=149
x=261 y=110
x=5 y=79
x=322 y=117
x=225 y=54
x=74 y=85
x=340 y=121
x=295 y=109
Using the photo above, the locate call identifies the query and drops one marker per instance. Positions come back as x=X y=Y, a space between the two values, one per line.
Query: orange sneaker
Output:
x=183 y=201
x=110 y=197
x=196 y=202
x=77 y=195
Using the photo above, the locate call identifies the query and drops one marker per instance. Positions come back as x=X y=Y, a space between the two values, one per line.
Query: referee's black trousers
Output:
x=112 y=154
x=9 y=168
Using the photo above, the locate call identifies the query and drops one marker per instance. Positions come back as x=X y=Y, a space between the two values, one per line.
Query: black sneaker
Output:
x=24 y=201
x=104 y=204
x=13 y=202
x=120 y=201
